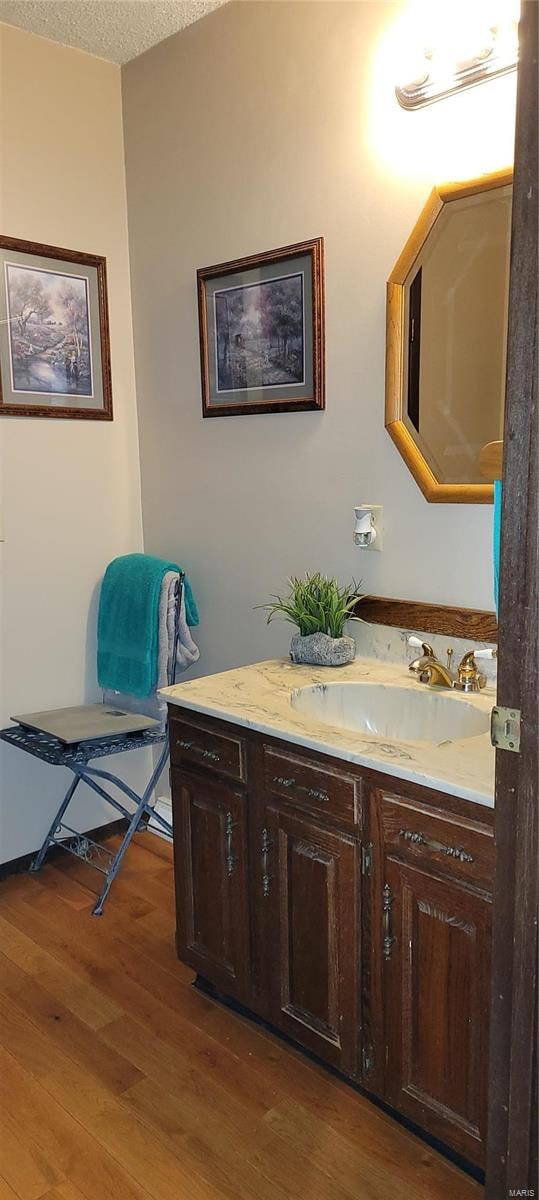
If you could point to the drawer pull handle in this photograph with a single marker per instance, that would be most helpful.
(231, 861)
(209, 755)
(389, 938)
(419, 839)
(264, 861)
(314, 793)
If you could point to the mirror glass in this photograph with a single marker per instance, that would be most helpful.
(455, 334)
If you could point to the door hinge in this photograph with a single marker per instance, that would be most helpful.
(505, 728)
(367, 1060)
(366, 858)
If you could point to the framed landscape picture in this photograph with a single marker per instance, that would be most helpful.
(262, 332)
(54, 332)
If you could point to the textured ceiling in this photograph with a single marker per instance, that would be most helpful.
(113, 29)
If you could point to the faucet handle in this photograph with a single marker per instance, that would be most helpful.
(488, 652)
(469, 678)
(419, 645)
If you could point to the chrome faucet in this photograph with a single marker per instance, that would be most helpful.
(430, 670)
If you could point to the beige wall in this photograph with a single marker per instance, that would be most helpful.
(261, 125)
(70, 490)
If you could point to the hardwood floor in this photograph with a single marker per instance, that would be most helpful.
(120, 1082)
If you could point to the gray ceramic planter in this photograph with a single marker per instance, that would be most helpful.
(321, 650)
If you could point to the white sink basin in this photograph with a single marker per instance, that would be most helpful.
(388, 711)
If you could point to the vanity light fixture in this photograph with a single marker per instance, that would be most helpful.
(455, 62)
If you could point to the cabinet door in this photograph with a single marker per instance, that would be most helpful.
(310, 887)
(436, 951)
(211, 881)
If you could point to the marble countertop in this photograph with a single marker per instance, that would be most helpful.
(259, 697)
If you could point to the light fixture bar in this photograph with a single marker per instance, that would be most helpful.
(434, 84)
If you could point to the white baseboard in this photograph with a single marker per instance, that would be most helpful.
(164, 807)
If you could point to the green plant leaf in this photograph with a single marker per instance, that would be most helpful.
(315, 604)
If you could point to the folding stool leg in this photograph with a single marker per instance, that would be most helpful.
(132, 829)
(38, 860)
(117, 860)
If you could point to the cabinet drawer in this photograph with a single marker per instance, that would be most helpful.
(452, 845)
(307, 785)
(196, 746)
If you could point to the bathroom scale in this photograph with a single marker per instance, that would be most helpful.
(86, 722)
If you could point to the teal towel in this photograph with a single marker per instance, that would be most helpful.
(497, 538)
(128, 622)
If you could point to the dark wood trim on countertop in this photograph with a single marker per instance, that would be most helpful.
(476, 624)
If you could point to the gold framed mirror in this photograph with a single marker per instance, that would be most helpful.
(446, 337)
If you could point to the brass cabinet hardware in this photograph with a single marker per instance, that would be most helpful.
(505, 728)
(315, 793)
(210, 755)
(231, 861)
(419, 839)
(389, 939)
(264, 860)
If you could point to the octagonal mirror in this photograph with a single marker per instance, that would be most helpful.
(447, 300)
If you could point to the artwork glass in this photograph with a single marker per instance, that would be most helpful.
(261, 325)
(54, 353)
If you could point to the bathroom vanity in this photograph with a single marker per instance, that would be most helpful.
(338, 883)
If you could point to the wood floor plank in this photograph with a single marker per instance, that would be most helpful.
(79, 995)
(196, 1053)
(66, 1191)
(22, 1173)
(32, 1048)
(239, 1158)
(63, 1029)
(31, 1165)
(74, 892)
(71, 1109)
(331, 1107)
(157, 923)
(124, 974)
(363, 1158)
(145, 1156)
(7, 1193)
(156, 845)
(155, 1091)
(89, 883)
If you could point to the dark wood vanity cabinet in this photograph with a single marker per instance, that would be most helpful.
(312, 934)
(212, 902)
(436, 1004)
(350, 910)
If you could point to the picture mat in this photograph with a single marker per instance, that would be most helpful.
(267, 272)
(48, 399)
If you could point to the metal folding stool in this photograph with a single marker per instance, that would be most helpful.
(76, 758)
